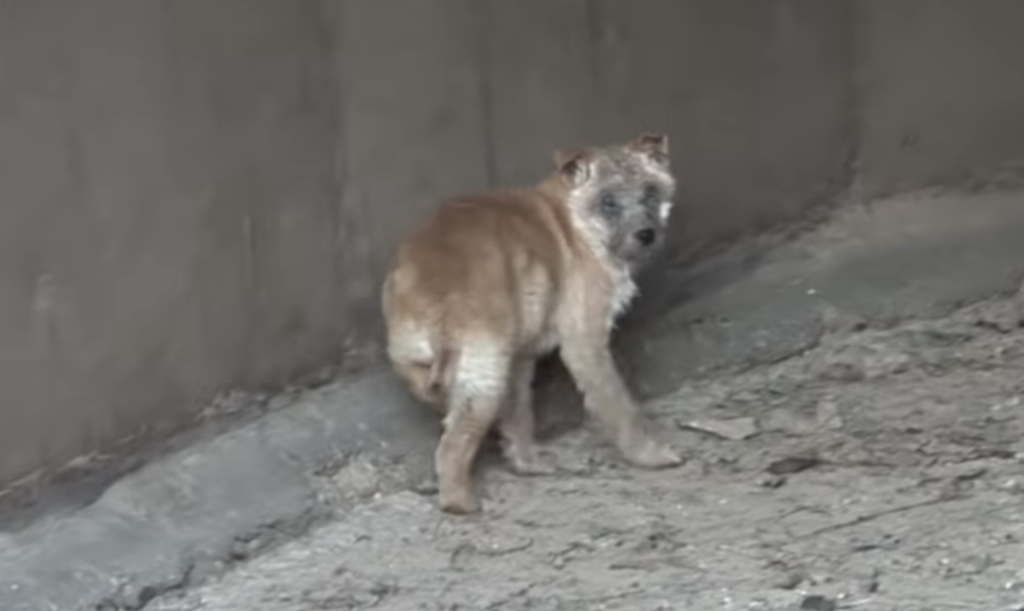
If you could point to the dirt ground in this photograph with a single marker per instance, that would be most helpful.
(881, 470)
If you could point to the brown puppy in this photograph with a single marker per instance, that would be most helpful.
(496, 279)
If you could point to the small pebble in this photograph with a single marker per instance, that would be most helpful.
(735, 429)
(817, 602)
(789, 581)
(793, 464)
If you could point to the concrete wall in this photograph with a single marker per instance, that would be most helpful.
(200, 195)
(167, 225)
(940, 86)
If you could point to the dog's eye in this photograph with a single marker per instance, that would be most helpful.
(609, 203)
(651, 195)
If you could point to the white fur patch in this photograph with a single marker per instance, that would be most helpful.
(482, 369)
(410, 347)
(664, 211)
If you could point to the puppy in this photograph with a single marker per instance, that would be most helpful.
(494, 280)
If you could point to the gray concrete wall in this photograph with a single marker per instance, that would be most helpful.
(200, 195)
(941, 90)
(167, 179)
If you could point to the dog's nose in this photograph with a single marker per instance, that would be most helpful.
(645, 236)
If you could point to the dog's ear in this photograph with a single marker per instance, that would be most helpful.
(574, 166)
(654, 146)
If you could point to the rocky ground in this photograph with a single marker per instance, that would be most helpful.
(883, 469)
(866, 460)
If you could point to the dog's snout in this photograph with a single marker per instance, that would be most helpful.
(646, 236)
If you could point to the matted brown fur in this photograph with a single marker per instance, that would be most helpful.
(493, 280)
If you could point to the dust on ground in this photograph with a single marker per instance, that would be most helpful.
(882, 469)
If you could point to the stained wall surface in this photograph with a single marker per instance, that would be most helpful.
(200, 196)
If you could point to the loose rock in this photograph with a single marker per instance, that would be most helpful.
(793, 464)
(818, 603)
(735, 429)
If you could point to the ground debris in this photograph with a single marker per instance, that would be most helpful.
(816, 602)
(734, 429)
(793, 464)
(919, 425)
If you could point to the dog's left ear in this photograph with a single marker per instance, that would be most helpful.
(575, 166)
(653, 145)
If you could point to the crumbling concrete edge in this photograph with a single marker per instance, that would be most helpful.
(189, 514)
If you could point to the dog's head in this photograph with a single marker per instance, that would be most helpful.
(620, 196)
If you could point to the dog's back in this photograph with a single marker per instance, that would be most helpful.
(481, 274)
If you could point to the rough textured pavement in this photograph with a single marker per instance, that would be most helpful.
(898, 485)
(881, 469)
